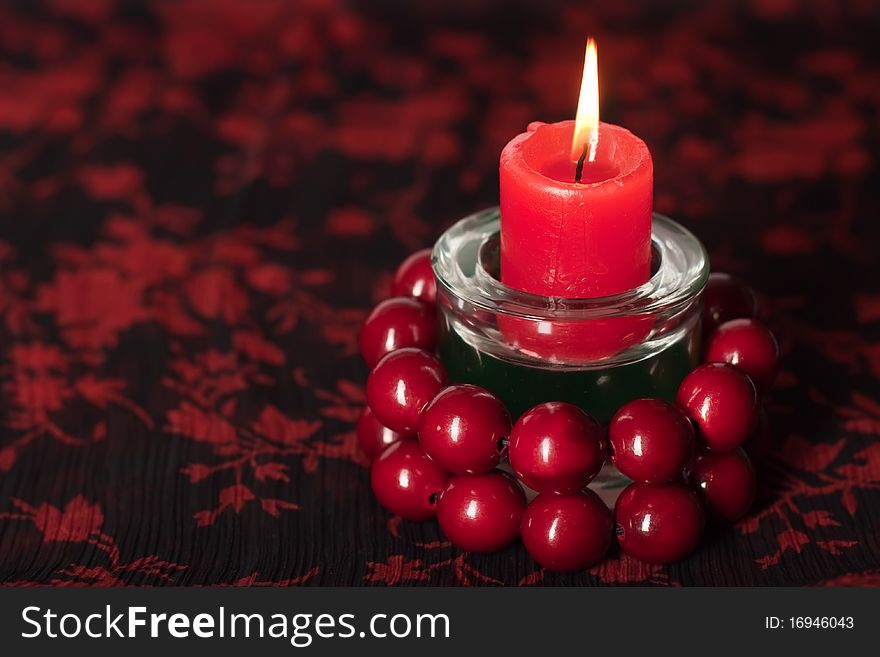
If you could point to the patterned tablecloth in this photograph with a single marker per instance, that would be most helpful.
(199, 201)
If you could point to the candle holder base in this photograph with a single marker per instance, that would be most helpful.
(640, 343)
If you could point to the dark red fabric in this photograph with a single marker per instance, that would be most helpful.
(199, 201)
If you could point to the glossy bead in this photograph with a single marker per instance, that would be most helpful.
(556, 448)
(415, 277)
(400, 386)
(406, 481)
(651, 441)
(760, 442)
(462, 429)
(373, 436)
(726, 483)
(722, 402)
(658, 523)
(567, 532)
(397, 323)
(749, 346)
(724, 298)
(481, 513)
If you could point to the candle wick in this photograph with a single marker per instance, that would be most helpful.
(579, 169)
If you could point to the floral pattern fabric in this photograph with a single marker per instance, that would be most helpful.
(200, 200)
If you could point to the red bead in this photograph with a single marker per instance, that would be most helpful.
(567, 532)
(726, 482)
(481, 513)
(397, 323)
(462, 429)
(415, 277)
(722, 402)
(406, 481)
(750, 346)
(651, 441)
(400, 386)
(556, 448)
(373, 436)
(726, 297)
(759, 444)
(658, 523)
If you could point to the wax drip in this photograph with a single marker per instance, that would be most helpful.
(579, 169)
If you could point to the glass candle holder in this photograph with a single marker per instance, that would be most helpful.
(596, 353)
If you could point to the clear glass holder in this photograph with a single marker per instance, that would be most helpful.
(596, 353)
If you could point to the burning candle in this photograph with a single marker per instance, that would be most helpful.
(576, 200)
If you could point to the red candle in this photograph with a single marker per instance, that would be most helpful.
(576, 222)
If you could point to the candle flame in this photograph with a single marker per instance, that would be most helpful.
(586, 123)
